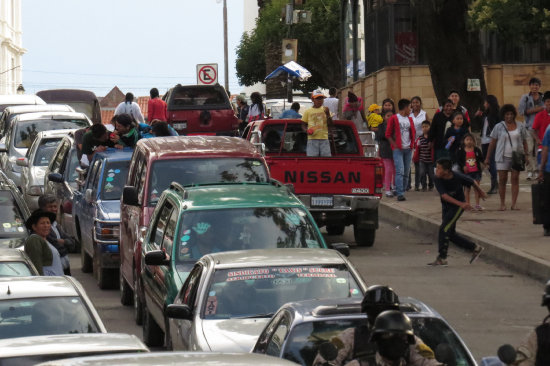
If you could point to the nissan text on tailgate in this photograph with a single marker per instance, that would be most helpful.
(341, 190)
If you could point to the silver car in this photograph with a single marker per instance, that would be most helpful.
(229, 297)
(31, 350)
(298, 329)
(16, 263)
(22, 131)
(34, 164)
(42, 305)
(174, 358)
(11, 112)
(7, 100)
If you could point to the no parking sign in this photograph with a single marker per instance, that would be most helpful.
(207, 74)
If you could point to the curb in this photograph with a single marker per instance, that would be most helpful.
(499, 253)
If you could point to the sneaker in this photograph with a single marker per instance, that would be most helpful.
(536, 176)
(529, 175)
(401, 198)
(476, 253)
(478, 208)
(416, 189)
(439, 262)
(389, 194)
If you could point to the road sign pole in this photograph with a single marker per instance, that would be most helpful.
(225, 48)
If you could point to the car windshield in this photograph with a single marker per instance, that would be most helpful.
(211, 170)
(82, 107)
(28, 317)
(11, 218)
(266, 289)
(303, 341)
(45, 150)
(210, 231)
(26, 131)
(14, 269)
(114, 178)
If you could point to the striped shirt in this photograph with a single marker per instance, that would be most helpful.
(424, 150)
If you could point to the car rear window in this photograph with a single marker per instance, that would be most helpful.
(14, 269)
(26, 131)
(26, 317)
(45, 151)
(195, 171)
(11, 218)
(203, 97)
(114, 178)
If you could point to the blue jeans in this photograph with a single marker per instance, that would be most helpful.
(402, 161)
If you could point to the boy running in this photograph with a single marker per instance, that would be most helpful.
(450, 185)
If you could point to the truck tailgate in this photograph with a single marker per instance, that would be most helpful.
(334, 176)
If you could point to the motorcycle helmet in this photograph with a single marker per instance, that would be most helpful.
(392, 322)
(378, 298)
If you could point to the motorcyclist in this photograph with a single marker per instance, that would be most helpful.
(535, 350)
(353, 343)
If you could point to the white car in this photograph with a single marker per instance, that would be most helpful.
(277, 106)
(42, 305)
(31, 350)
(8, 100)
(34, 165)
(14, 262)
(229, 297)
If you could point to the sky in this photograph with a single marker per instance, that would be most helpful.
(133, 44)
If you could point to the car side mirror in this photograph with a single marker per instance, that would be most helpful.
(22, 162)
(343, 248)
(3, 147)
(55, 177)
(88, 195)
(130, 196)
(156, 258)
(507, 354)
(179, 311)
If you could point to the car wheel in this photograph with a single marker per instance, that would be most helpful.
(335, 229)
(126, 296)
(364, 237)
(152, 334)
(138, 305)
(86, 261)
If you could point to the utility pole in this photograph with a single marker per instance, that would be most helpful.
(225, 50)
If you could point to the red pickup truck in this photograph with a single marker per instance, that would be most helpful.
(341, 190)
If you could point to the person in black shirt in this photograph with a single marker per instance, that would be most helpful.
(450, 185)
(438, 128)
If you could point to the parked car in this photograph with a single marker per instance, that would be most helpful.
(158, 162)
(341, 190)
(44, 305)
(13, 214)
(36, 161)
(8, 100)
(274, 107)
(96, 212)
(83, 101)
(11, 112)
(16, 263)
(60, 181)
(229, 297)
(201, 109)
(174, 358)
(23, 131)
(297, 329)
(52, 348)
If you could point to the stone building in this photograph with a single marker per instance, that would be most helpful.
(11, 49)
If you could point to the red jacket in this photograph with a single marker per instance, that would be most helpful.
(394, 132)
(156, 109)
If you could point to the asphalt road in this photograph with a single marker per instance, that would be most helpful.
(486, 304)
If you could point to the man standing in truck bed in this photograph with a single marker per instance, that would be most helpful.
(317, 121)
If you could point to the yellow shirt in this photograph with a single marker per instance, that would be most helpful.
(316, 119)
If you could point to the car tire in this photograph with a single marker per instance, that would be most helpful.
(364, 237)
(86, 262)
(138, 305)
(335, 229)
(126, 295)
(152, 334)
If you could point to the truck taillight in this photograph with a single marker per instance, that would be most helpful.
(379, 179)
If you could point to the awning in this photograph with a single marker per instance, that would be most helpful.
(293, 69)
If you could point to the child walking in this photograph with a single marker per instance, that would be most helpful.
(455, 134)
(424, 155)
(469, 159)
(450, 185)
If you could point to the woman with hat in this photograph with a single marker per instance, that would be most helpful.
(43, 255)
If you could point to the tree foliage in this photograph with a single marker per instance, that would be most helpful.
(528, 19)
(318, 44)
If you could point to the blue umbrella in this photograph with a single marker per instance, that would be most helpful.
(293, 69)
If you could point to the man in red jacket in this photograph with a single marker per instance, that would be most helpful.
(401, 134)
(156, 107)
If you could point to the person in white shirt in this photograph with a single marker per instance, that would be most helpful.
(130, 107)
(418, 115)
(332, 103)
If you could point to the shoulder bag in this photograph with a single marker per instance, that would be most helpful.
(518, 158)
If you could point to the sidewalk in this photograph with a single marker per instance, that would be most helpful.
(509, 237)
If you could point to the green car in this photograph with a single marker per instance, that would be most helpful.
(191, 221)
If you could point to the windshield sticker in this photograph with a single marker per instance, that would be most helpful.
(341, 280)
(109, 179)
(212, 293)
(110, 171)
(245, 272)
(312, 243)
(117, 171)
(211, 305)
(283, 275)
(256, 163)
(201, 227)
(109, 187)
(185, 238)
(282, 282)
(6, 225)
(354, 291)
(20, 229)
(293, 219)
(111, 175)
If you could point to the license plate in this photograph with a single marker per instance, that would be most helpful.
(180, 126)
(321, 201)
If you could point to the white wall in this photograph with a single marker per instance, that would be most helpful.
(11, 48)
(250, 15)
